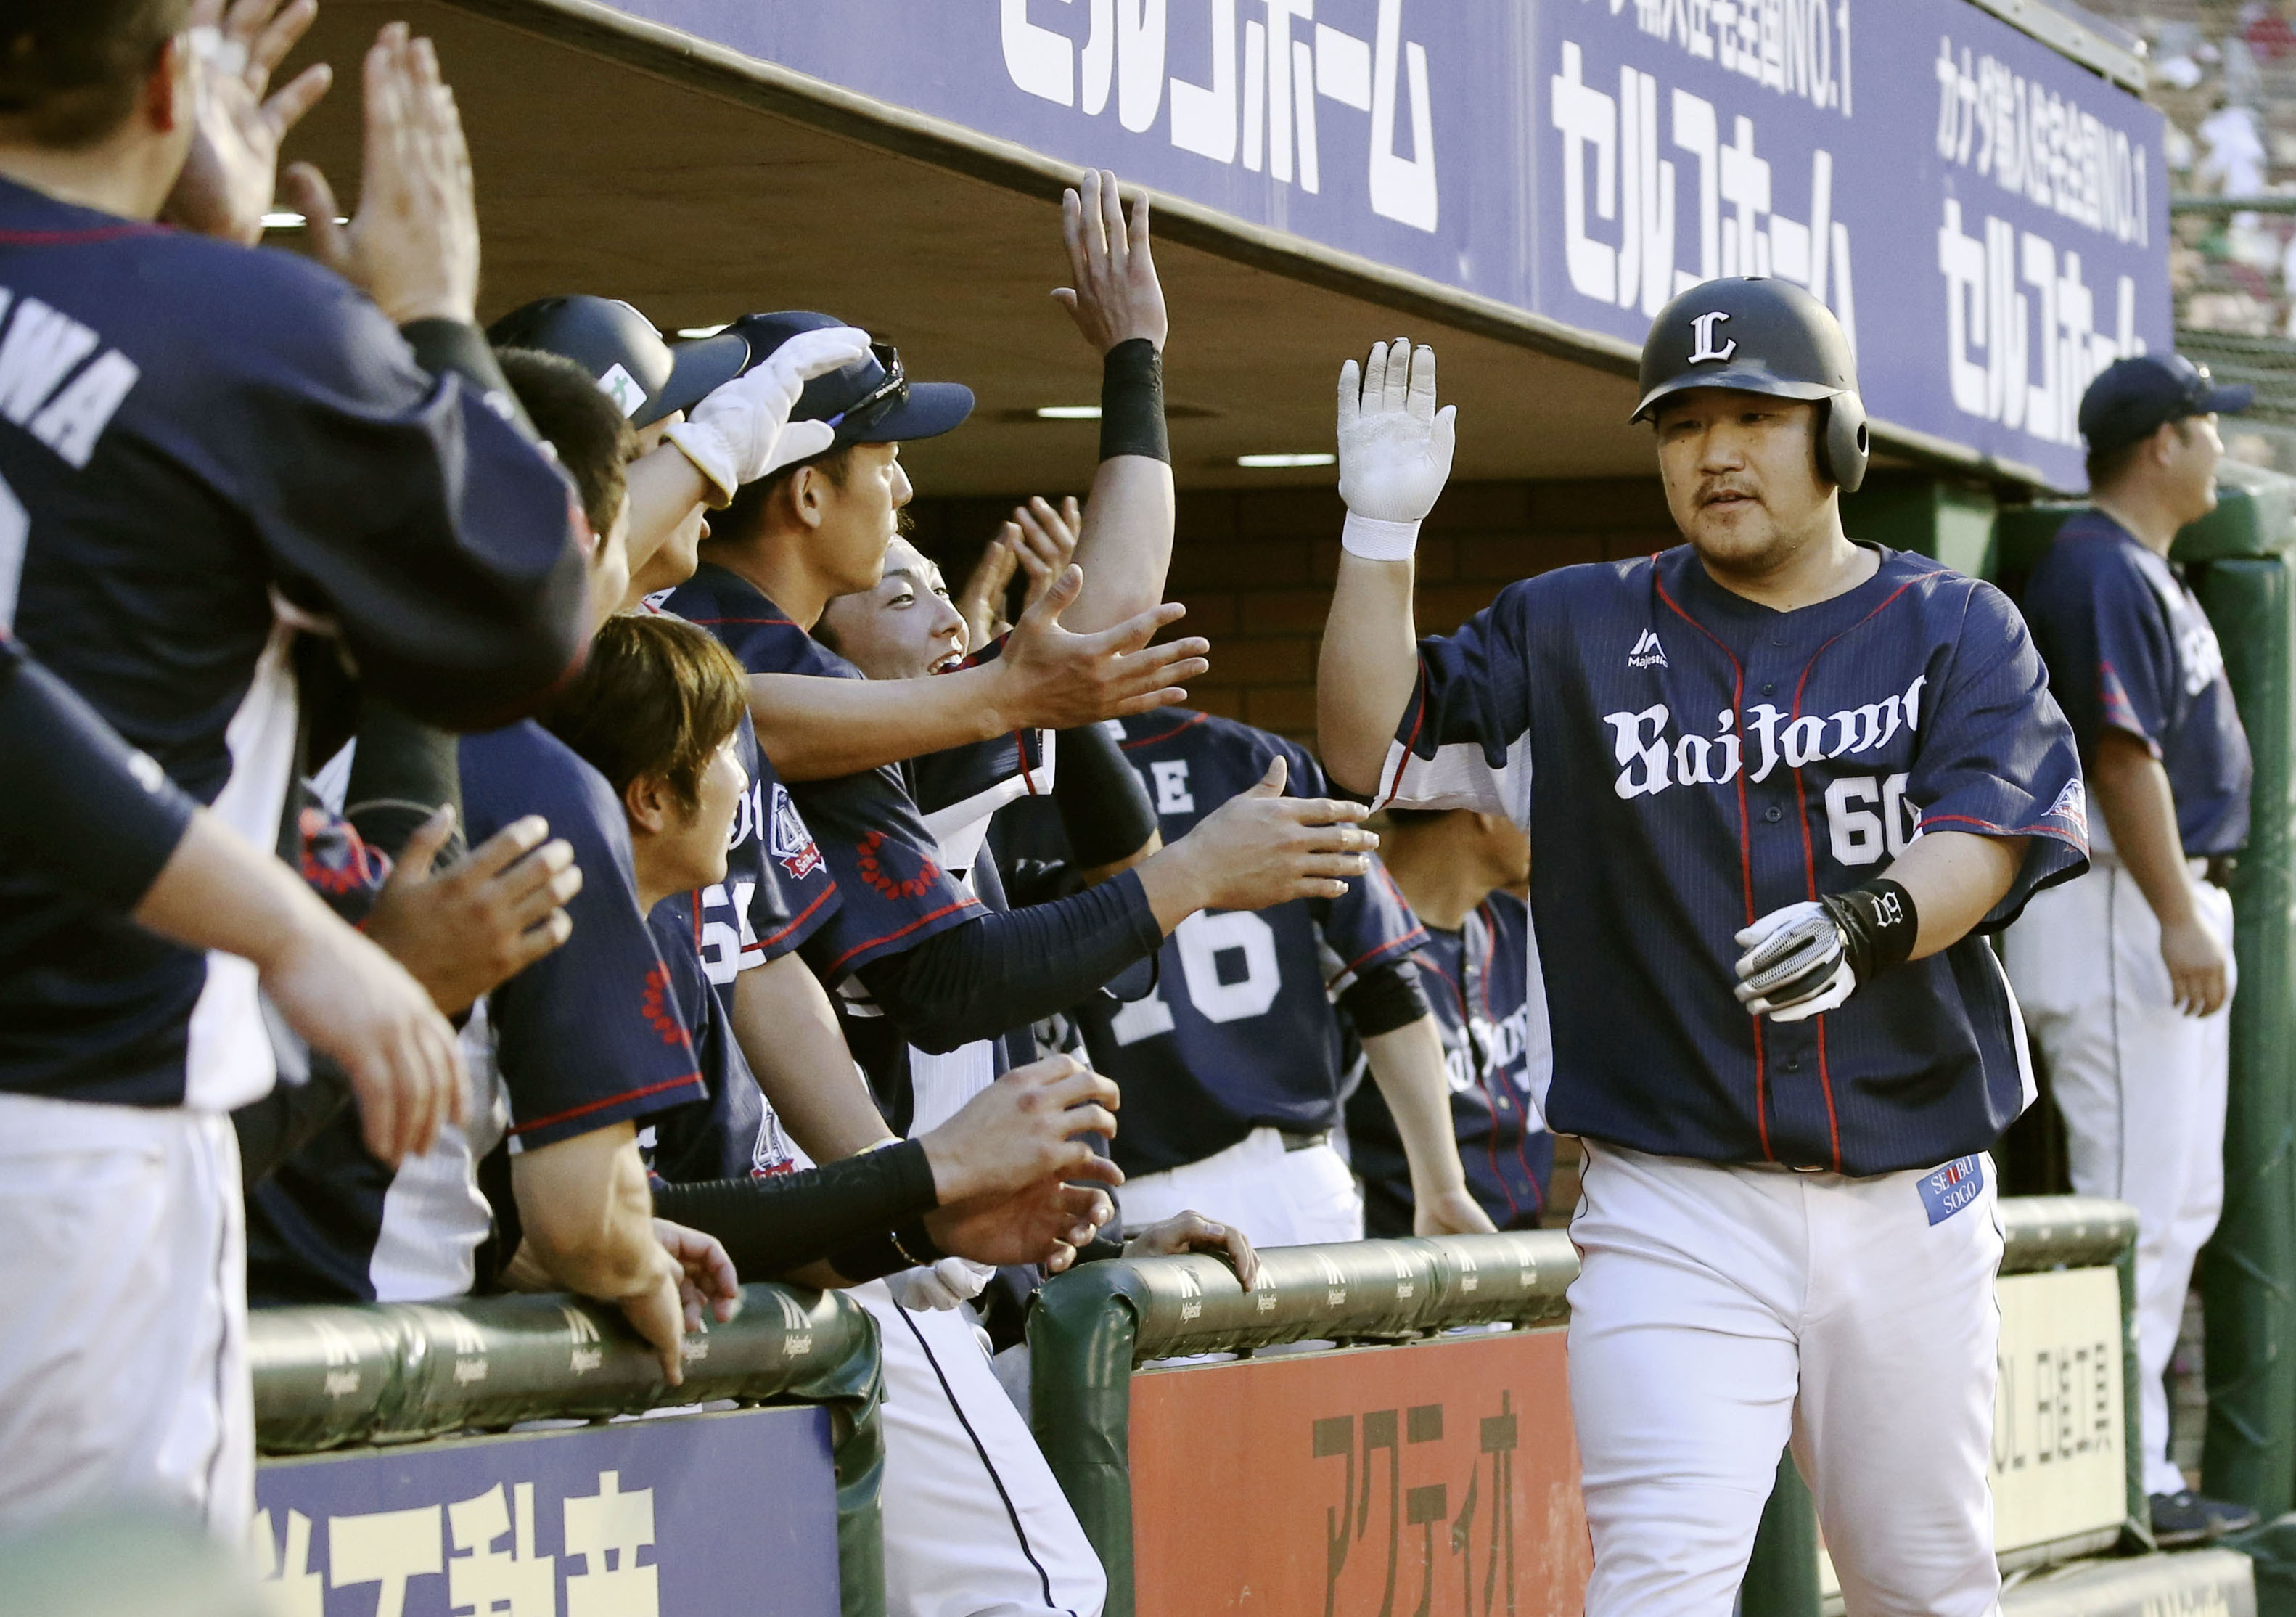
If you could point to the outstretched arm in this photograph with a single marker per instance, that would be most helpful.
(1117, 303)
(1049, 677)
(1395, 455)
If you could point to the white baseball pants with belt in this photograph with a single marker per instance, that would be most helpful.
(2141, 1087)
(1721, 1313)
(1277, 1197)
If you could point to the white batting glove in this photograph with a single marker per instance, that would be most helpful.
(1395, 449)
(939, 1285)
(1795, 966)
(743, 431)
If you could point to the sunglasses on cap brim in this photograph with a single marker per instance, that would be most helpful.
(879, 401)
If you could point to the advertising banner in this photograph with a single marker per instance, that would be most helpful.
(1423, 1479)
(2059, 1459)
(735, 1511)
(1989, 218)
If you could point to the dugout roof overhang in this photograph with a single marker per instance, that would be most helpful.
(619, 157)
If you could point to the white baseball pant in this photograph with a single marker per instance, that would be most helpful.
(975, 1523)
(1721, 1312)
(2141, 1087)
(123, 1337)
(1276, 1197)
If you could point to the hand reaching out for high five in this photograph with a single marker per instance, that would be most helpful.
(1040, 541)
(228, 178)
(1117, 296)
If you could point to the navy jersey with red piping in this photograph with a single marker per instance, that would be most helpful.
(1686, 760)
(192, 431)
(1477, 981)
(777, 890)
(1238, 1031)
(591, 1035)
(2129, 648)
(99, 817)
(732, 1132)
(894, 888)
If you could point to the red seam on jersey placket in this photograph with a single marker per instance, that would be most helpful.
(1745, 846)
(946, 909)
(612, 1100)
(1027, 775)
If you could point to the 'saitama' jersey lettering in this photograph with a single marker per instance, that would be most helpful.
(1686, 760)
(1649, 762)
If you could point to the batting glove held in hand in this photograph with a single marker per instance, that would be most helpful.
(1809, 957)
(1395, 449)
(939, 1285)
(743, 431)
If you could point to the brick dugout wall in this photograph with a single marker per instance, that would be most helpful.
(1255, 569)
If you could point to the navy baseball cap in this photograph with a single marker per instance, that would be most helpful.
(619, 347)
(871, 402)
(2134, 398)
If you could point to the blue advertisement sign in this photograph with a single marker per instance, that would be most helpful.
(649, 1518)
(1989, 218)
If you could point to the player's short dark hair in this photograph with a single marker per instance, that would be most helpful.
(69, 70)
(656, 697)
(746, 514)
(587, 429)
(2106, 467)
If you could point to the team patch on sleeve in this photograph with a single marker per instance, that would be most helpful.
(1946, 1190)
(792, 845)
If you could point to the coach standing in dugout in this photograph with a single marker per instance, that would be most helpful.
(2127, 974)
(207, 447)
(1775, 1023)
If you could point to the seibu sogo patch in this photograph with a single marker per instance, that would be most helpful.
(1947, 1189)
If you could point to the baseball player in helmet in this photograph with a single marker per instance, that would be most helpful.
(1781, 784)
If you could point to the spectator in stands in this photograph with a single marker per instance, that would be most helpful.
(250, 445)
(1479, 968)
(2126, 974)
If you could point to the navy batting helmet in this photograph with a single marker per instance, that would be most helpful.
(1761, 335)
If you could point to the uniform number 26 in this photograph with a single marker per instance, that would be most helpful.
(1866, 817)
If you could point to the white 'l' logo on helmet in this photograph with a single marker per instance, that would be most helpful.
(1702, 327)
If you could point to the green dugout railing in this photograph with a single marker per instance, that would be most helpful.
(1093, 1327)
(336, 1378)
(2239, 560)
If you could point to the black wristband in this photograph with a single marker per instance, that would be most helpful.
(449, 345)
(1132, 402)
(887, 1253)
(1878, 924)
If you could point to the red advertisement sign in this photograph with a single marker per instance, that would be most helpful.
(1437, 1480)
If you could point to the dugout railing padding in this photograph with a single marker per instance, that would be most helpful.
(342, 1377)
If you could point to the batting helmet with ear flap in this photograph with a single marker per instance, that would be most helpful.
(1761, 336)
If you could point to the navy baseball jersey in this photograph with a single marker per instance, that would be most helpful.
(590, 1035)
(1238, 1031)
(208, 443)
(896, 884)
(777, 890)
(94, 814)
(1686, 761)
(731, 1133)
(2129, 648)
(1479, 985)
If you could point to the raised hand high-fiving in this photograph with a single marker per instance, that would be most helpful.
(1394, 446)
(227, 180)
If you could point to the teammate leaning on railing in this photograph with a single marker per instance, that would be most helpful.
(1778, 1024)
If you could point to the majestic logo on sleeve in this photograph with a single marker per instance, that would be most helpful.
(1702, 349)
(2071, 807)
(1654, 751)
(1648, 653)
(790, 842)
